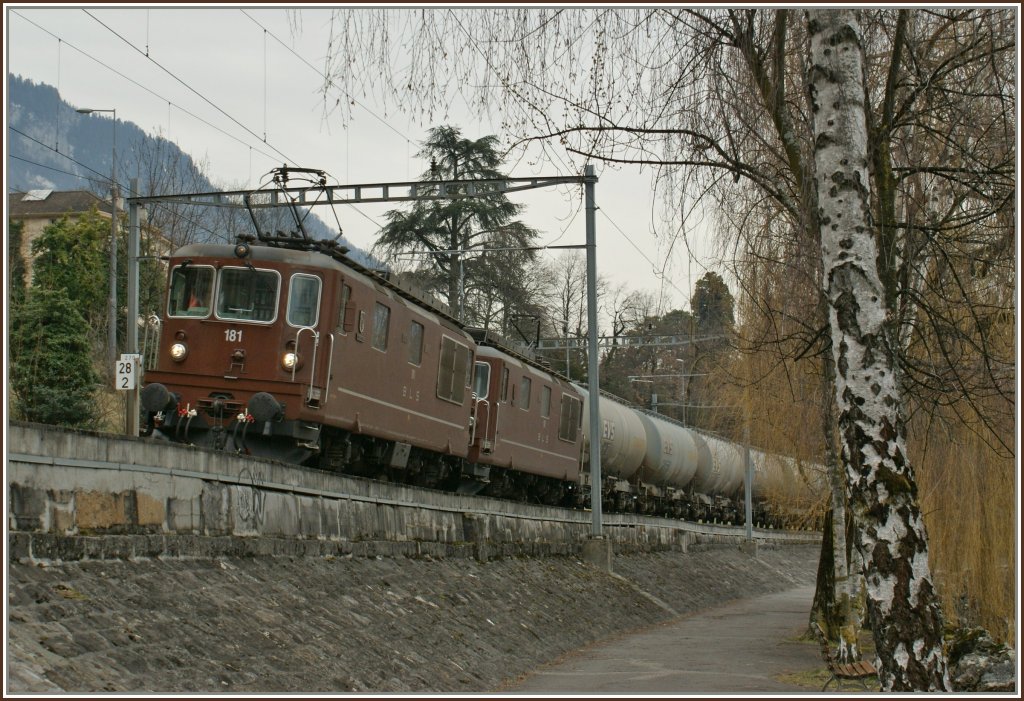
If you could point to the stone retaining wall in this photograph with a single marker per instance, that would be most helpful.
(147, 498)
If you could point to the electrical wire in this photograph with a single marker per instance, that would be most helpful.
(185, 84)
(659, 273)
(118, 73)
(51, 148)
(190, 220)
(327, 79)
(56, 170)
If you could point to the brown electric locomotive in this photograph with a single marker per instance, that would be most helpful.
(526, 426)
(309, 358)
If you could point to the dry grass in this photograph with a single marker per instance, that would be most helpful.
(967, 484)
(110, 410)
(968, 497)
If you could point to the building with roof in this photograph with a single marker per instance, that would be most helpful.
(38, 209)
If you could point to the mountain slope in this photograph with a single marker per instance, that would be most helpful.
(52, 147)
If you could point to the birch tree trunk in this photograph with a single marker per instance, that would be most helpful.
(903, 606)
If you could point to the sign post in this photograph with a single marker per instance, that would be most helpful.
(126, 371)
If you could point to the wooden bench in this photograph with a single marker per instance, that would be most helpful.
(853, 671)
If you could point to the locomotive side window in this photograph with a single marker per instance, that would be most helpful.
(481, 380)
(569, 419)
(524, 392)
(304, 300)
(345, 310)
(415, 342)
(545, 401)
(381, 320)
(247, 294)
(191, 291)
(453, 370)
(504, 384)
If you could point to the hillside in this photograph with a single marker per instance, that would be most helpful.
(52, 147)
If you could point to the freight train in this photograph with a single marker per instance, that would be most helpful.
(285, 348)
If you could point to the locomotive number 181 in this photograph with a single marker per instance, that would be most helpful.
(233, 335)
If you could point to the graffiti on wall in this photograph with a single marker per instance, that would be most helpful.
(251, 497)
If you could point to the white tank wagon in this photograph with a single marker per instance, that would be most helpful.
(785, 485)
(727, 472)
(653, 464)
(672, 457)
(623, 440)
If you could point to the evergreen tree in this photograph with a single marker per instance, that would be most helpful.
(446, 227)
(73, 255)
(51, 371)
(712, 304)
(712, 307)
(15, 263)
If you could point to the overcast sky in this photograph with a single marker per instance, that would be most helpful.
(220, 84)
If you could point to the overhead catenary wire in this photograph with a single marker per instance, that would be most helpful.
(40, 165)
(185, 84)
(62, 42)
(104, 177)
(327, 79)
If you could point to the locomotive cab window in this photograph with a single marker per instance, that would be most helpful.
(191, 291)
(248, 294)
(545, 401)
(481, 380)
(304, 300)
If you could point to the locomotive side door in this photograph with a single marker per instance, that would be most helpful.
(485, 407)
(314, 347)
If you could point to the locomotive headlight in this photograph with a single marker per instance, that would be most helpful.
(179, 351)
(289, 361)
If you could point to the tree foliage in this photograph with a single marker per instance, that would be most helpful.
(51, 371)
(484, 287)
(15, 262)
(73, 255)
(712, 304)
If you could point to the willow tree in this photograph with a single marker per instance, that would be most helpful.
(717, 100)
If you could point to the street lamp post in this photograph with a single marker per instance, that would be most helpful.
(112, 297)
